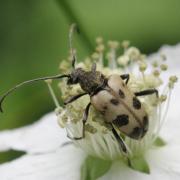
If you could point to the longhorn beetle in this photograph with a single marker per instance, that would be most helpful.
(109, 95)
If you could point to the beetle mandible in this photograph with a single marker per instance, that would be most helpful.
(109, 95)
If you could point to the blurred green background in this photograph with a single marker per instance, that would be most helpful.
(34, 39)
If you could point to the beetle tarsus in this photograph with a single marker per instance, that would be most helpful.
(147, 92)
(125, 77)
(129, 162)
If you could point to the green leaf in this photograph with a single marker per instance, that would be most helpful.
(159, 142)
(140, 164)
(93, 167)
(10, 155)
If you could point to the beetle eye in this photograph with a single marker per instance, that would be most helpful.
(69, 81)
(72, 80)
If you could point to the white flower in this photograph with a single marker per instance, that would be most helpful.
(49, 156)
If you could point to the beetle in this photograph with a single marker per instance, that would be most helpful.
(121, 108)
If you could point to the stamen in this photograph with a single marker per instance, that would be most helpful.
(113, 45)
(52, 93)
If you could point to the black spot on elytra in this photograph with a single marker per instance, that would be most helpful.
(114, 101)
(136, 133)
(121, 93)
(145, 123)
(121, 120)
(136, 103)
(105, 107)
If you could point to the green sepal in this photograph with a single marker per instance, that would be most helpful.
(159, 142)
(10, 155)
(94, 167)
(140, 164)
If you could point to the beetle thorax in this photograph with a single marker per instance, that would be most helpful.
(89, 81)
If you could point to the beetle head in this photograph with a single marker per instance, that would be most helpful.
(74, 76)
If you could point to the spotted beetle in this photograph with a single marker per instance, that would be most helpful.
(111, 96)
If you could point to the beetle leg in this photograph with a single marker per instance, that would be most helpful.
(147, 92)
(121, 144)
(73, 98)
(120, 141)
(84, 120)
(125, 77)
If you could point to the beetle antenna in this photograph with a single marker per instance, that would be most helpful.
(28, 82)
(73, 28)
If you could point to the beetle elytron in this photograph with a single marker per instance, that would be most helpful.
(109, 95)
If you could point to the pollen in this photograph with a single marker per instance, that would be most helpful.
(172, 81)
(113, 44)
(156, 72)
(99, 40)
(100, 48)
(142, 66)
(163, 98)
(133, 53)
(91, 129)
(125, 44)
(163, 67)
(123, 60)
(155, 64)
(95, 56)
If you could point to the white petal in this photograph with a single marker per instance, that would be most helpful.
(172, 54)
(170, 130)
(165, 162)
(42, 136)
(121, 171)
(62, 164)
(46, 159)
